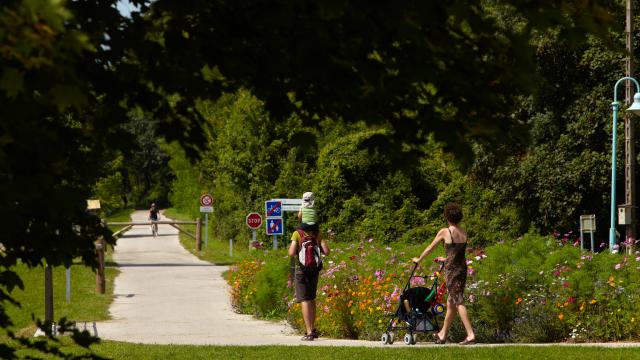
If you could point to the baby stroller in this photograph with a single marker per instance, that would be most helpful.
(417, 311)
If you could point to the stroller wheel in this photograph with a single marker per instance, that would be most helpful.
(410, 339)
(438, 309)
(387, 338)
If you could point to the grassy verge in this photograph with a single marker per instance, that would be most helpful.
(118, 350)
(84, 304)
(217, 251)
(120, 216)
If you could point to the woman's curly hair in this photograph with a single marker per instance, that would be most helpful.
(453, 213)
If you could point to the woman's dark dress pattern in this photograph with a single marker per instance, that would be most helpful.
(456, 271)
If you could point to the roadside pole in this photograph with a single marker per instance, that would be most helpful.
(206, 230)
(48, 295)
(206, 207)
(68, 283)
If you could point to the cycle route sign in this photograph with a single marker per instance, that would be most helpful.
(273, 211)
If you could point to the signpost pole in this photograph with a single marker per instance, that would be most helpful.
(230, 247)
(206, 230)
(275, 242)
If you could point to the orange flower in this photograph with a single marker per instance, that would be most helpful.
(561, 316)
(518, 301)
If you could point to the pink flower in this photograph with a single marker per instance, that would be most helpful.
(470, 271)
(417, 281)
(571, 299)
(565, 284)
(618, 266)
(379, 274)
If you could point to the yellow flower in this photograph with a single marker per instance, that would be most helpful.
(582, 307)
(611, 281)
(593, 301)
(561, 316)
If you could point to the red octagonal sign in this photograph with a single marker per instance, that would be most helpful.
(254, 220)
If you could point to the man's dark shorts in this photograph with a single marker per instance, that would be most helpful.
(306, 285)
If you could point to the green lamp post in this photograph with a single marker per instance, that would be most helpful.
(635, 109)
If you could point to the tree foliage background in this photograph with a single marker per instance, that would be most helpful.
(385, 110)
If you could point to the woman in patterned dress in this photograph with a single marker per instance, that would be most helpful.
(455, 244)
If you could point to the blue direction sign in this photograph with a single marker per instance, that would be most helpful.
(273, 208)
(274, 226)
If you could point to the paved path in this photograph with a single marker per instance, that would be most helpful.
(165, 295)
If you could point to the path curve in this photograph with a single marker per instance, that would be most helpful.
(166, 295)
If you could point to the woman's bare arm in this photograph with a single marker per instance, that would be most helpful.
(439, 237)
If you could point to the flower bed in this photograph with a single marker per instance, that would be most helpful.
(534, 289)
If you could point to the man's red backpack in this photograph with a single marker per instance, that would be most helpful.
(309, 255)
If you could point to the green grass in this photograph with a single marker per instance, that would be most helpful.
(119, 350)
(119, 216)
(217, 251)
(85, 303)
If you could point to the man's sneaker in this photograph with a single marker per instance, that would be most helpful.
(308, 337)
(315, 333)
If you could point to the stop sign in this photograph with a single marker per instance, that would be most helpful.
(254, 220)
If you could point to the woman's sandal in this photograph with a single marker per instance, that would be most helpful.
(437, 340)
(308, 337)
(468, 342)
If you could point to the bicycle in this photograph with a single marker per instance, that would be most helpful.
(154, 228)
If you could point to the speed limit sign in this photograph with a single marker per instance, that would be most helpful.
(206, 200)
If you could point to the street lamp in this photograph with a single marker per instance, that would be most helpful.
(634, 109)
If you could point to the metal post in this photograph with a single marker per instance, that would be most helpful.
(615, 107)
(275, 242)
(48, 295)
(206, 230)
(230, 247)
(592, 249)
(581, 238)
(254, 237)
(612, 228)
(68, 284)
